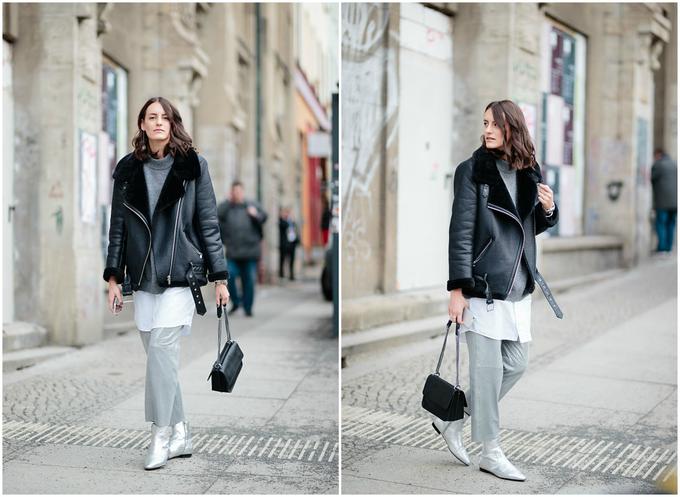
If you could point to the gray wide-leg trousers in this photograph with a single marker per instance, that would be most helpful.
(495, 366)
(163, 398)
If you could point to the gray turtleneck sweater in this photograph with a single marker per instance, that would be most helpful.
(155, 173)
(509, 176)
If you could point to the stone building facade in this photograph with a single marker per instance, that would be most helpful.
(596, 82)
(78, 75)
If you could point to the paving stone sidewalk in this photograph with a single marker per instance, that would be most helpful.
(78, 420)
(594, 413)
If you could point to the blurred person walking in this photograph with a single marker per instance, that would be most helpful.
(326, 217)
(241, 224)
(164, 236)
(288, 242)
(665, 193)
(500, 205)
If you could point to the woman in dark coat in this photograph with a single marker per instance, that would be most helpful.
(164, 236)
(500, 205)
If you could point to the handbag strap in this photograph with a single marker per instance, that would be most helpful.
(222, 313)
(441, 354)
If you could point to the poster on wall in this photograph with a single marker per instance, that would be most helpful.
(568, 67)
(556, 62)
(568, 117)
(529, 112)
(551, 176)
(568, 224)
(88, 177)
(559, 104)
(554, 130)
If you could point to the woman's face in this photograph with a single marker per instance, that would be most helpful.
(493, 135)
(156, 124)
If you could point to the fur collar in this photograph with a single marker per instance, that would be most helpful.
(484, 170)
(130, 170)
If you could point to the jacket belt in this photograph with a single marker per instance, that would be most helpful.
(195, 291)
(548, 294)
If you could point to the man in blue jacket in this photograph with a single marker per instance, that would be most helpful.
(241, 223)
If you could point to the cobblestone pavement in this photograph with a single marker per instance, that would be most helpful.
(85, 409)
(386, 386)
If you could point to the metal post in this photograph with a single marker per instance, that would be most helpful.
(335, 210)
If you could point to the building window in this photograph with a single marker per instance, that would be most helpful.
(113, 139)
(562, 123)
(114, 111)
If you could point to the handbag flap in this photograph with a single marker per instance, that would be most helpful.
(438, 391)
(231, 352)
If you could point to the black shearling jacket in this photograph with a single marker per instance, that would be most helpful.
(182, 232)
(488, 236)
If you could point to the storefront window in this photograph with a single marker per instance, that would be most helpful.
(562, 123)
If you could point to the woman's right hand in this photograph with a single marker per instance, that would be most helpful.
(114, 291)
(457, 304)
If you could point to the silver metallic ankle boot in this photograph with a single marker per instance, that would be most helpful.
(180, 443)
(494, 461)
(452, 432)
(157, 455)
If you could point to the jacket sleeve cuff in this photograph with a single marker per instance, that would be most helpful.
(116, 272)
(220, 275)
(460, 283)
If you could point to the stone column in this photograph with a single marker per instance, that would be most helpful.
(173, 60)
(57, 119)
(217, 98)
(619, 121)
(390, 163)
(369, 122)
(653, 32)
(483, 36)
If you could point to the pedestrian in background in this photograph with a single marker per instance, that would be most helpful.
(241, 223)
(288, 241)
(326, 216)
(163, 233)
(665, 191)
(499, 205)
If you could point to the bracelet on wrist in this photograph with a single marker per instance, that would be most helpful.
(220, 282)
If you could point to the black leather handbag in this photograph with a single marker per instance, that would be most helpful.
(229, 361)
(441, 398)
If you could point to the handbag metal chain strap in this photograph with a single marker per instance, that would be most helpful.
(441, 354)
(222, 313)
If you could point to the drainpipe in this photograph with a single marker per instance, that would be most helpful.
(258, 102)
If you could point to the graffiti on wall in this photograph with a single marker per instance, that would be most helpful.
(369, 113)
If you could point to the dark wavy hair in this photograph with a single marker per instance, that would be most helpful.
(180, 142)
(518, 148)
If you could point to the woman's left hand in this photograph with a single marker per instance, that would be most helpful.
(221, 294)
(545, 196)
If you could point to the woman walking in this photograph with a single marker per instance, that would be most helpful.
(164, 235)
(500, 205)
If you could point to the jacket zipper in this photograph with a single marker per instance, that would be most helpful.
(149, 249)
(521, 250)
(174, 239)
(481, 254)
